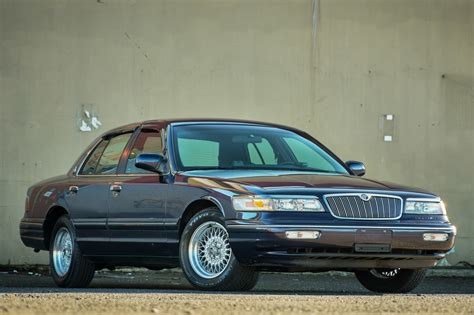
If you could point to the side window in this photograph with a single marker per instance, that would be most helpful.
(306, 155)
(262, 153)
(91, 164)
(111, 156)
(197, 152)
(148, 142)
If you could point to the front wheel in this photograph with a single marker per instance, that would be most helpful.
(206, 256)
(391, 280)
(68, 267)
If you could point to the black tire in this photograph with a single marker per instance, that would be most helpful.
(380, 280)
(81, 270)
(235, 277)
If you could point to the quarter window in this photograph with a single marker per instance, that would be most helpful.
(110, 158)
(91, 164)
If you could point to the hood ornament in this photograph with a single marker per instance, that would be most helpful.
(365, 197)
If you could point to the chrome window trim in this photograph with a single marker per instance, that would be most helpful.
(79, 166)
(120, 175)
(169, 153)
(364, 193)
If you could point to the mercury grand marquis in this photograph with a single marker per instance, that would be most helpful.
(225, 199)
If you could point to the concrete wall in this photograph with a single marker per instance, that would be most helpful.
(331, 67)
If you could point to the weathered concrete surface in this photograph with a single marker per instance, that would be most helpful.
(191, 303)
(332, 71)
(168, 293)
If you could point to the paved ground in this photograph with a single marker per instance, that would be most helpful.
(167, 292)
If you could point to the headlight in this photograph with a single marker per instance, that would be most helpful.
(276, 203)
(425, 207)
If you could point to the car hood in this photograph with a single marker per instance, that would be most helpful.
(263, 181)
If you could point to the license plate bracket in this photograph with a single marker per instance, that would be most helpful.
(373, 241)
(373, 236)
(372, 248)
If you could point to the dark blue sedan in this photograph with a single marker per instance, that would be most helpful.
(225, 199)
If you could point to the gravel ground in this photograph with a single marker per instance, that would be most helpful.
(167, 292)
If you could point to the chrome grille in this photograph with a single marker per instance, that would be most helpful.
(364, 206)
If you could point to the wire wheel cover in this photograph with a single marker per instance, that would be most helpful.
(384, 273)
(209, 250)
(62, 251)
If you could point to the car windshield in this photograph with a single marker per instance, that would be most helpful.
(226, 146)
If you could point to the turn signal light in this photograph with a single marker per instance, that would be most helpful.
(435, 237)
(303, 235)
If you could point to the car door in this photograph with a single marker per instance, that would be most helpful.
(88, 193)
(137, 202)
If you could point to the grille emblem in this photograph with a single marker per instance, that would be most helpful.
(365, 197)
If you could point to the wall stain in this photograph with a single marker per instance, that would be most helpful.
(142, 51)
(458, 100)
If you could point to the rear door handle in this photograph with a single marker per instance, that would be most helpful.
(116, 188)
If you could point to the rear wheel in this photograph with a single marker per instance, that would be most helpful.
(206, 256)
(391, 280)
(68, 267)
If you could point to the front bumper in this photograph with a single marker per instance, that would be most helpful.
(339, 247)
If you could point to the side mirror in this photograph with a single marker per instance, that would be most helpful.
(149, 161)
(358, 168)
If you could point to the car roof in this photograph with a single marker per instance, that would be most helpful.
(162, 123)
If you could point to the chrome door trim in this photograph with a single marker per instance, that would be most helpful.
(451, 228)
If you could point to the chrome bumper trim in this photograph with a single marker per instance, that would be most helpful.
(451, 228)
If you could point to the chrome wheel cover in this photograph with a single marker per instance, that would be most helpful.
(62, 251)
(384, 273)
(209, 250)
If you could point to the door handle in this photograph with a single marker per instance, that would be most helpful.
(73, 189)
(116, 188)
